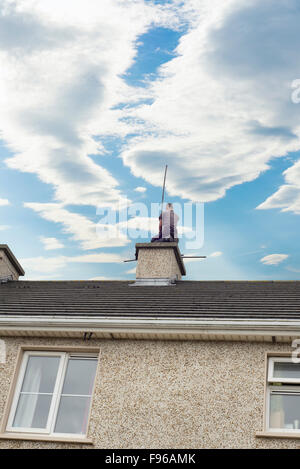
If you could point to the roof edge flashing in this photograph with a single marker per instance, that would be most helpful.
(154, 282)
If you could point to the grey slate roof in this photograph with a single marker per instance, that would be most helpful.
(192, 299)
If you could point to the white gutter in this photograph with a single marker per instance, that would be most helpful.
(150, 325)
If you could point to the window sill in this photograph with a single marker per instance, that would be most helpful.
(290, 436)
(34, 437)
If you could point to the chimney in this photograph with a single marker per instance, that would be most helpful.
(10, 268)
(158, 263)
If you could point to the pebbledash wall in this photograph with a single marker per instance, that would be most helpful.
(167, 394)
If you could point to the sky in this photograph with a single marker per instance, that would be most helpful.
(97, 97)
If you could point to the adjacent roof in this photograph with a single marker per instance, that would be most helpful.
(12, 259)
(200, 299)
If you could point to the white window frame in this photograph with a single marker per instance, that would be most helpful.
(56, 396)
(280, 386)
(272, 379)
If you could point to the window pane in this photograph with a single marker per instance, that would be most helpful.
(80, 376)
(72, 415)
(286, 370)
(32, 411)
(40, 375)
(285, 411)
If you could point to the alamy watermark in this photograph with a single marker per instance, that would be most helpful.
(136, 221)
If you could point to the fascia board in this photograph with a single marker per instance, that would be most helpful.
(150, 325)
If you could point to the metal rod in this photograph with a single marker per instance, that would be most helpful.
(164, 184)
(130, 260)
(194, 257)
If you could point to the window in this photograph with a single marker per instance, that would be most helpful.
(53, 394)
(283, 396)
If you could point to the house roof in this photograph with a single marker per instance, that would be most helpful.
(188, 299)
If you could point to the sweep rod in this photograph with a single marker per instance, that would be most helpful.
(193, 257)
(164, 185)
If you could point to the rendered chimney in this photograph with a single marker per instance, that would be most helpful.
(10, 269)
(158, 263)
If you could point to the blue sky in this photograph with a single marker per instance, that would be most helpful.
(96, 99)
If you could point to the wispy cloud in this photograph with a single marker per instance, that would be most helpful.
(4, 202)
(131, 271)
(61, 86)
(104, 278)
(235, 92)
(221, 109)
(140, 189)
(79, 227)
(217, 111)
(293, 269)
(287, 197)
(216, 254)
(51, 243)
(60, 83)
(53, 264)
(274, 259)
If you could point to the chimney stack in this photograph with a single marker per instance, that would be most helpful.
(158, 263)
(10, 269)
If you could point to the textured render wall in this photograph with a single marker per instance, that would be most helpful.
(6, 268)
(157, 263)
(152, 394)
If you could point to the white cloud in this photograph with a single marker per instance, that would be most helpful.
(102, 257)
(43, 264)
(287, 197)
(53, 264)
(216, 254)
(274, 259)
(4, 227)
(140, 189)
(292, 269)
(139, 224)
(131, 271)
(4, 202)
(60, 88)
(79, 227)
(103, 278)
(51, 243)
(92, 234)
(221, 108)
(60, 83)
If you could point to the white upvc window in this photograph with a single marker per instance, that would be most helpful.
(283, 396)
(53, 394)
